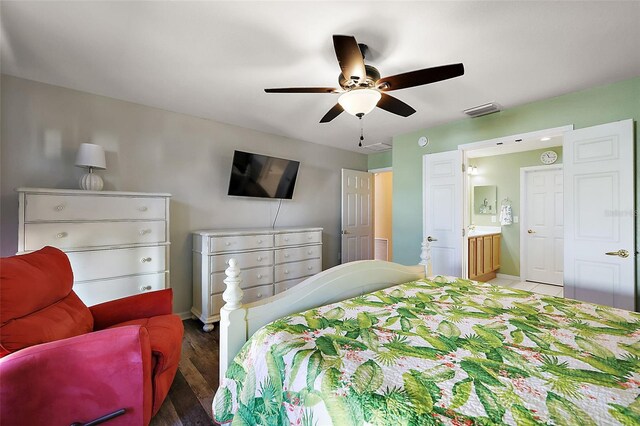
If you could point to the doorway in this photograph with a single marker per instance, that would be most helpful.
(366, 215)
(496, 197)
(598, 209)
(383, 245)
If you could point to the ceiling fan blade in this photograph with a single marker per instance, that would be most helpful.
(303, 90)
(394, 105)
(333, 113)
(420, 77)
(349, 57)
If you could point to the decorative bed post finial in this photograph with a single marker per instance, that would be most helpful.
(425, 257)
(233, 293)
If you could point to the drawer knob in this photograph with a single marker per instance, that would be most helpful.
(310, 237)
(143, 208)
(145, 288)
(286, 238)
(228, 243)
(286, 271)
(309, 251)
(259, 295)
(259, 241)
(309, 267)
(259, 276)
(61, 234)
(286, 256)
(145, 259)
(60, 207)
(145, 231)
(259, 258)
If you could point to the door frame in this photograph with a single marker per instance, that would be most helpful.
(381, 170)
(523, 212)
(508, 140)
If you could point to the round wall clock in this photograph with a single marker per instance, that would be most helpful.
(548, 157)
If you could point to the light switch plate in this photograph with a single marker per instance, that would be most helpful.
(516, 219)
(494, 219)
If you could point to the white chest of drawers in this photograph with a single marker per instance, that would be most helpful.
(272, 261)
(117, 242)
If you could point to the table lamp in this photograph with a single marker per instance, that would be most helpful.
(91, 156)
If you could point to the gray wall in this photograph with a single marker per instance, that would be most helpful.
(152, 150)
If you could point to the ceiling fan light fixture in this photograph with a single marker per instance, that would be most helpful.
(359, 101)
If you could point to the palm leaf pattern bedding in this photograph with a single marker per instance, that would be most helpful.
(439, 351)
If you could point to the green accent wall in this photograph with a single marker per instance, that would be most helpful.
(379, 160)
(599, 105)
(503, 171)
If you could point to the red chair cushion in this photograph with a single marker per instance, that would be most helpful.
(165, 336)
(38, 305)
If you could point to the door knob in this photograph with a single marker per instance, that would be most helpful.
(431, 239)
(621, 253)
(531, 231)
(345, 232)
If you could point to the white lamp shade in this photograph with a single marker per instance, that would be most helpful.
(359, 101)
(91, 155)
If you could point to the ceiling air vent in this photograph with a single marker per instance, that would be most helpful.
(480, 110)
(380, 146)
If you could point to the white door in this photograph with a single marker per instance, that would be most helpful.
(599, 223)
(357, 215)
(543, 228)
(442, 210)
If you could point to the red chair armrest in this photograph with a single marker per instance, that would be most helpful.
(79, 379)
(140, 306)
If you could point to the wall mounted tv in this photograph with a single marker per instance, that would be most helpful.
(255, 175)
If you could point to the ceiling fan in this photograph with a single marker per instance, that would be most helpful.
(361, 87)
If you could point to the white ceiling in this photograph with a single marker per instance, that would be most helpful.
(213, 59)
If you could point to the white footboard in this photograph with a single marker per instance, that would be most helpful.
(238, 322)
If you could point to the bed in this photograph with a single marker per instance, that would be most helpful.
(377, 343)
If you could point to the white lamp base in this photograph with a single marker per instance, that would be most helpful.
(91, 182)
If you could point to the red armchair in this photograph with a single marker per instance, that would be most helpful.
(61, 362)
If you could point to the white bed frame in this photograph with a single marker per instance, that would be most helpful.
(238, 322)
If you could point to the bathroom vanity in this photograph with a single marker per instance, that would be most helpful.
(484, 253)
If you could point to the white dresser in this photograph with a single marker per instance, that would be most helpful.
(117, 242)
(271, 260)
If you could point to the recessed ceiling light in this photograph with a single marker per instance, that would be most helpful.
(546, 138)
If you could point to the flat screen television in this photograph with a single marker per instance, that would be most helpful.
(255, 175)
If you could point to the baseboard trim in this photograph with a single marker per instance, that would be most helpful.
(184, 315)
(508, 277)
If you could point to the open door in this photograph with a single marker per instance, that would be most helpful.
(599, 236)
(357, 215)
(442, 210)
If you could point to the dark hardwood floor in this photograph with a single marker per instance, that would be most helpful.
(191, 394)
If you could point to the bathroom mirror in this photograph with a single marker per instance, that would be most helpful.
(485, 199)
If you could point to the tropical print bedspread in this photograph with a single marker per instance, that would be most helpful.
(441, 351)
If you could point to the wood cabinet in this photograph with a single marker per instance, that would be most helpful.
(117, 242)
(484, 257)
(272, 261)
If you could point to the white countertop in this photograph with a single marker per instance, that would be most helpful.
(484, 230)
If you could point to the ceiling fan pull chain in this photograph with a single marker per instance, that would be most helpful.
(361, 130)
